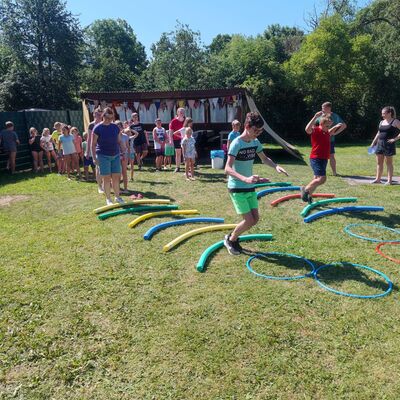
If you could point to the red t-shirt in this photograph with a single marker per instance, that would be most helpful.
(320, 144)
(174, 125)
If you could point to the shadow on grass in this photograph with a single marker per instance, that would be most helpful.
(20, 176)
(340, 273)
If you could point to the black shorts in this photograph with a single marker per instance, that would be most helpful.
(159, 152)
(177, 144)
(385, 148)
(140, 148)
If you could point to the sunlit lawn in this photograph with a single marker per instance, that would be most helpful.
(89, 310)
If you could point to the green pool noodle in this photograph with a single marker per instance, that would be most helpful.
(132, 210)
(309, 207)
(203, 258)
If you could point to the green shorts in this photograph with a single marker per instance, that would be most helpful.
(244, 202)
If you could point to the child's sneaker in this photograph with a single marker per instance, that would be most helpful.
(100, 190)
(109, 202)
(119, 200)
(305, 196)
(125, 191)
(233, 247)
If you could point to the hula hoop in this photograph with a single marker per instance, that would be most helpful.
(357, 296)
(201, 264)
(280, 278)
(349, 232)
(379, 251)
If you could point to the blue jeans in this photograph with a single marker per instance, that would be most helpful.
(318, 166)
(109, 164)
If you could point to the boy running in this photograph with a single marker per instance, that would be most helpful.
(239, 168)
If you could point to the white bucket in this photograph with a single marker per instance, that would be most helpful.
(217, 163)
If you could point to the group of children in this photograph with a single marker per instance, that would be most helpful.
(242, 150)
(63, 146)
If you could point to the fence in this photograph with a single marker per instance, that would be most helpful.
(23, 120)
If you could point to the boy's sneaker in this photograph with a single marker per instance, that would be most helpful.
(233, 247)
(305, 196)
(109, 202)
(177, 169)
(125, 191)
(100, 190)
(309, 199)
(119, 200)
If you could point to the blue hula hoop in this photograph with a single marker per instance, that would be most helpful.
(357, 296)
(280, 278)
(349, 232)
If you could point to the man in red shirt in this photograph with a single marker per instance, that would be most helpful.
(320, 152)
(175, 127)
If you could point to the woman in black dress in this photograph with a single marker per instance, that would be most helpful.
(388, 134)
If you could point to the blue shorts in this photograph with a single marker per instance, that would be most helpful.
(109, 164)
(318, 166)
(88, 162)
(332, 147)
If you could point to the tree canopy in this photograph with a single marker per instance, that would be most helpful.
(350, 56)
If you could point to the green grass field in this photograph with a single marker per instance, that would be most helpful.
(89, 310)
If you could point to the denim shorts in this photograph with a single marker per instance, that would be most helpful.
(318, 166)
(332, 147)
(109, 164)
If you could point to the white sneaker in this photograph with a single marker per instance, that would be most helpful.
(100, 190)
(119, 200)
(109, 202)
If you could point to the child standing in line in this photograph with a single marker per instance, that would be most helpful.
(189, 149)
(48, 147)
(234, 134)
(169, 150)
(159, 143)
(239, 168)
(124, 153)
(78, 150)
(132, 136)
(89, 160)
(35, 145)
(66, 140)
(320, 151)
(55, 136)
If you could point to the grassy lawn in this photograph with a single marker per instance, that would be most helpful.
(89, 310)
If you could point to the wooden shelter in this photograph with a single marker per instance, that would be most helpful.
(212, 110)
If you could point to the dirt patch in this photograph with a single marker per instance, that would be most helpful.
(7, 200)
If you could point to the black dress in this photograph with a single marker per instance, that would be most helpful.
(35, 146)
(386, 132)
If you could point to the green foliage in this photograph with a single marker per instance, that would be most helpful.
(113, 58)
(44, 39)
(177, 60)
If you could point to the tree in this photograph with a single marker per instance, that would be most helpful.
(178, 59)
(286, 40)
(45, 40)
(219, 43)
(114, 58)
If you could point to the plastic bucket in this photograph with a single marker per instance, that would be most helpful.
(217, 163)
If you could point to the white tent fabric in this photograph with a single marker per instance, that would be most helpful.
(287, 146)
